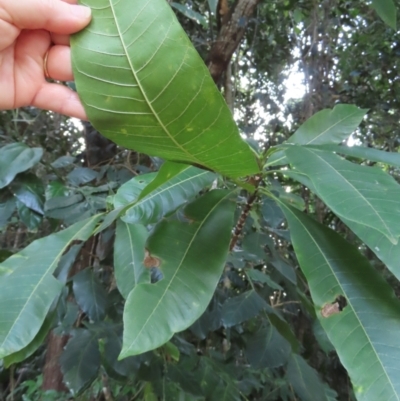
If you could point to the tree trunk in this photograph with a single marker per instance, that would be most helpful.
(52, 375)
(232, 31)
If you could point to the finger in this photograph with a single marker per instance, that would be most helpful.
(34, 42)
(60, 99)
(52, 15)
(30, 50)
(58, 39)
(59, 63)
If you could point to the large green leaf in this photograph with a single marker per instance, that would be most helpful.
(80, 360)
(241, 308)
(271, 213)
(129, 192)
(217, 381)
(145, 87)
(29, 289)
(7, 207)
(16, 158)
(191, 257)
(29, 190)
(383, 248)
(386, 9)
(111, 348)
(365, 195)
(32, 347)
(28, 217)
(81, 175)
(365, 332)
(305, 380)
(170, 170)
(362, 152)
(325, 127)
(129, 245)
(267, 348)
(329, 126)
(210, 320)
(66, 262)
(90, 294)
(173, 186)
(264, 278)
(185, 374)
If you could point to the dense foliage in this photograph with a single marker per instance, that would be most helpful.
(186, 263)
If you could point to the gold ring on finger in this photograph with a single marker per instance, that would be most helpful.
(45, 70)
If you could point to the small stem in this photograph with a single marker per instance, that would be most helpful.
(245, 212)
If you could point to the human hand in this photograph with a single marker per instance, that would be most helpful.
(28, 30)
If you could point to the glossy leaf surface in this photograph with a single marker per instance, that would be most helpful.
(7, 207)
(28, 189)
(32, 347)
(191, 257)
(29, 288)
(16, 158)
(173, 186)
(365, 195)
(241, 308)
(383, 248)
(329, 126)
(365, 332)
(305, 380)
(264, 278)
(90, 294)
(362, 152)
(267, 349)
(80, 360)
(145, 87)
(129, 249)
(28, 217)
(130, 191)
(81, 175)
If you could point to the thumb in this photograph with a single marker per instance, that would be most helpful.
(52, 15)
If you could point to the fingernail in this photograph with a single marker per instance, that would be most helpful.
(82, 11)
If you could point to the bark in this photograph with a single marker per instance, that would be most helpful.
(52, 375)
(230, 35)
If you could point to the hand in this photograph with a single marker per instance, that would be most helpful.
(28, 30)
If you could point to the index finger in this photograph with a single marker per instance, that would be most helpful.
(59, 16)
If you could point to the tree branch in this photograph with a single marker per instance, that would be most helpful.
(230, 35)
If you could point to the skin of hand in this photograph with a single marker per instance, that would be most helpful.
(28, 29)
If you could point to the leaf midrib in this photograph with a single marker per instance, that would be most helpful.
(149, 104)
(177, 270)
(345, 293)
(337, 172)
(330, 128)
(48, 270)
(159, 191)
